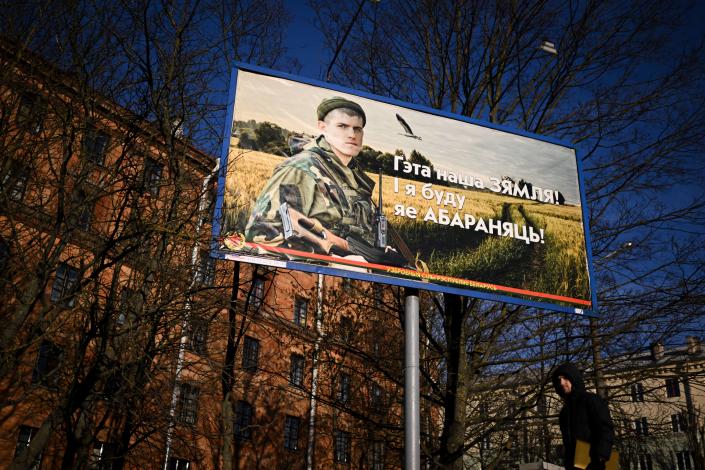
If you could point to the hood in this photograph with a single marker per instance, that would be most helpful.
(572, 373)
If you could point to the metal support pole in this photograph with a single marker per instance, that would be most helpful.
(412, 387)
(311, 446)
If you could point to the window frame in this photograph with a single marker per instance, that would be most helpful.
(673, 388)
(21, 444)
(256, 294)
(297, 370)
(342, 388)
(177, 463)
(47, 364)
(95, 145)
(300, 311)
(187, 405)
(679, 423)
(197, 335)
(641, 426)
(104, 459)
(644, 462)
(684, 460)
(292, 428)
(16, 180)
(31, 112)
(152, 176)
(244, 416)
(376, 397)
(341, 446)
(250, 354)
(66, 280)
(377, 455)
(637, 392)
(346, 329)
(83, 202)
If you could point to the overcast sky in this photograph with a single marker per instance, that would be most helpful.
(450, 144)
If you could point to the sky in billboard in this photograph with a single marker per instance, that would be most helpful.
(487, 212)
(454, 145)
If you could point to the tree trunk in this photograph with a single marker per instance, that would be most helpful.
(456, 393)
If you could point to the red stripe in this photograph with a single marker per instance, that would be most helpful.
(419, 274)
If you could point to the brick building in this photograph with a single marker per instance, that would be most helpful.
(125, 346)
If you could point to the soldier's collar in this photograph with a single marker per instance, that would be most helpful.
(323, 144)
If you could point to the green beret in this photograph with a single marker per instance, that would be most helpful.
(336, 102)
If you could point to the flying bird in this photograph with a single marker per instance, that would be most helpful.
(407, 129)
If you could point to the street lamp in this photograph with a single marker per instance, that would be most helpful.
(548, 46)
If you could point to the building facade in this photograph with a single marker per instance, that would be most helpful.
(125, 346)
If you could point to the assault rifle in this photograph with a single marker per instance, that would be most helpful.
(297, 226)
(380, 219)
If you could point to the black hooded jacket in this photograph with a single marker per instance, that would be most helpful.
(584, 416)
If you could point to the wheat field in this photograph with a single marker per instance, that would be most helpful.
(556, 266)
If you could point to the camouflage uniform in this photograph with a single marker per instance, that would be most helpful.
(318, 185)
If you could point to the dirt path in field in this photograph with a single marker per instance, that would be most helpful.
(530, 262)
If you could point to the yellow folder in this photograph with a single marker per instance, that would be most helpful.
(582, 456)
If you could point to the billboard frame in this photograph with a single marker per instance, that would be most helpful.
(217, 253)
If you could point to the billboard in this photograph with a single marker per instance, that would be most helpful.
(320, 178)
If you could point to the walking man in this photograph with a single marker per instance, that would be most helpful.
(585, 416)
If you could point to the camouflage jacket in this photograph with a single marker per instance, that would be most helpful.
(318, 185)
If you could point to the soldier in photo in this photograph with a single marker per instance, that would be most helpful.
(319, 200)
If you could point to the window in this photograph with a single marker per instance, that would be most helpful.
(24, 437)
(83, 204)
(341, 447)
(641, 426)
(256, 293)
(31, 111)
(4, 255)
(129, 305)
(376, 397)
(64, 285)
(46, 369)
(250, 354)
(187, 406)
(296, 375)
(672, 387)
(346, 329)
(14, 181)
(486, 443)
(377, 456)
(292, 424)
(679, 422)
(95, 146)
(102, 457)
(644, 462)
(152, 175)
(683, 460)
(178, 464)
(378, 295)
(342, 389)
(300, 311)
(637, 392)
(243, 420)
(113, 382)
(197, 335)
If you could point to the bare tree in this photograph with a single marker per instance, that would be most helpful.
(104, 195)
(626, 92)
